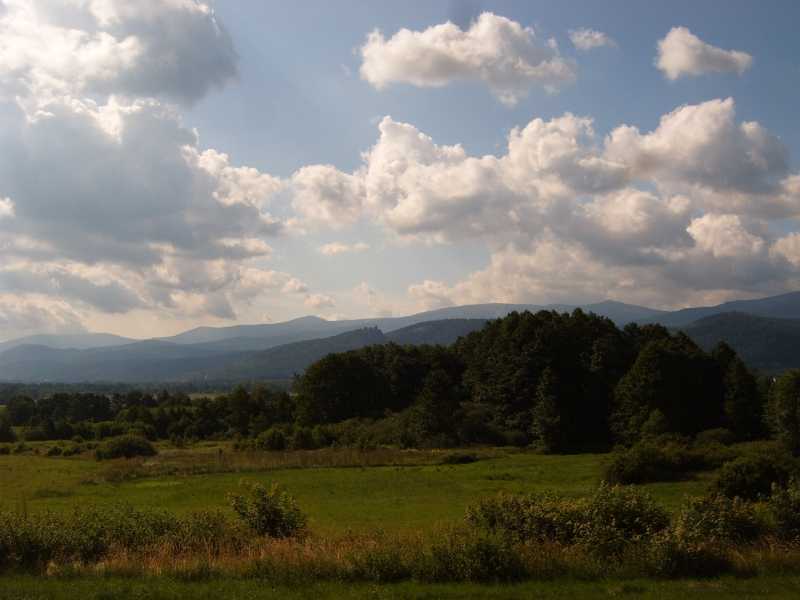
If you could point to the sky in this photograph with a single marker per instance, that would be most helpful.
(166, 164)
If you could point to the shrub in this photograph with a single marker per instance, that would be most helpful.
(715, 436)
(663, 459)
(21, 448)
(55, 451)
(125, 446)
(464, 556)
(717, 519)
(528, 518)
(270, 512)
(302, 439)
(669, 556)
(784, 508)
(606, 523)
(616, 517)
(271, 439)
(459, 458)
(751, 477)
(5, 450)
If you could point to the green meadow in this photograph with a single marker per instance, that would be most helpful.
(411, 491)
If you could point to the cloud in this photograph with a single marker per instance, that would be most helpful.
(133, 213)
(681, 54)
(335, 248)
(703, 146)
(6, 208)
(174, 49)
(724, 236)
(319, 301)
(375, 302)
(321, 194)
(26, 315)
(431, 294)
(589, 39)
(507, 57)
(106, 295)
(788, 247)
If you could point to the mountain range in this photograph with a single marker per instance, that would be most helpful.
(765, 332)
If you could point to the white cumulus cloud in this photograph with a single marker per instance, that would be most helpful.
(589, 39)
(681, 53)
(503, 54)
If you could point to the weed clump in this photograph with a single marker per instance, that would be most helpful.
(271, 512)
(125, 446)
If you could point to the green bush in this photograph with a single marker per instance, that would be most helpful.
(125, 446)
(605, 523)
(270, 512)
(717, 519)
(616, 517)
(663, 459)
(715, 436)
(784, 508)
(459, 458)
(528, 518)
(464, 556)
(55, 451)
(271, 439)
(671, 557)
(302, 439)
(752, 476)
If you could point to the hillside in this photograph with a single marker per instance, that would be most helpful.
(785, 306)
(763, 343)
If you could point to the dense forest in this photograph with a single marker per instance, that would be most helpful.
(559, 382)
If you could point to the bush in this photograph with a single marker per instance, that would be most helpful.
(606, 523)
(55, 451)
(5, 450)
(616, 517)
(460, 556)
(784, 508)
(125, 446)
(752, 477)
(715, 436)
(302, 439)
(663, 459)
(270, 512)
(459, 458)
(271, 439)
(669, 556)
(717, 519)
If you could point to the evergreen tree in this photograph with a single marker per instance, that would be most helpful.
(545, 418)
(743, 409)
(784, 410)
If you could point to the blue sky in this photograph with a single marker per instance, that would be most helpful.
(297, 197)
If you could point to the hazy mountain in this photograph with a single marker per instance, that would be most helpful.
(785, 306)
(238, 351)
(764, 343)
(442, 332)
(139, 361)
(79, 341)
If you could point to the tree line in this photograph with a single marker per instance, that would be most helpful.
(560, 382)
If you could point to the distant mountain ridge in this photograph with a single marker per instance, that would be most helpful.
(241, 351)
(785, 306)
(764, 343)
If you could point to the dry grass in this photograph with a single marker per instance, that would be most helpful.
(220, 459)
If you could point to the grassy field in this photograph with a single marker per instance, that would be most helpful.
(411, 491)
(342, 491)
(30, 588)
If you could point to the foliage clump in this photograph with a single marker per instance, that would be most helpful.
(126, 446)
(753, 476)
(271, 512)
